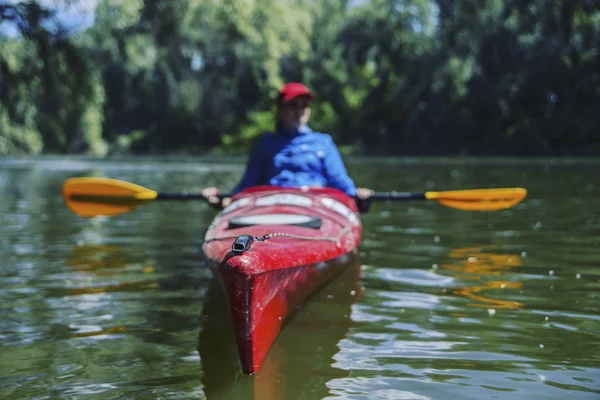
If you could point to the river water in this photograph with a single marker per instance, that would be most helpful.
(441, 303)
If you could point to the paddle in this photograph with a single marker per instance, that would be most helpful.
(471, 200)
(91, 197)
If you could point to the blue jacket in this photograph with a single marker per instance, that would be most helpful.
(307, 158)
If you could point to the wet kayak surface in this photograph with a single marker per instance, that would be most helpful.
(440, 303)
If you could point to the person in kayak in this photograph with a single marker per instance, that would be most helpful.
(294, 155)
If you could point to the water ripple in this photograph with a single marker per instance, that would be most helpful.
(448, 304)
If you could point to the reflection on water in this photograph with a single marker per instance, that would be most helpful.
(477, 265)
(457, 305)
(103, 260)
(304, 349)
(93, 264)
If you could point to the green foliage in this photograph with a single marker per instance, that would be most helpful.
(324, 116)
(127, 143)
(393, 77)
(258, 123)
(91, 122)
(18, 139)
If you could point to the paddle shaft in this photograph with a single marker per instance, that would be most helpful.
(375, 196)
(183, 196)
(363, 205)
(398, 196)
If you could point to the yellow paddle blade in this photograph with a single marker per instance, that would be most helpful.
(91, 197)
(479, 199)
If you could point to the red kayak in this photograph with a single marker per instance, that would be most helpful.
(273, 247)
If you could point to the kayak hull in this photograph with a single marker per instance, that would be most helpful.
(268, 273)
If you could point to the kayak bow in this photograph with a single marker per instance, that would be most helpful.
(271, 249)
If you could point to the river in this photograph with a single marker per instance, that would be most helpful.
(441, 303)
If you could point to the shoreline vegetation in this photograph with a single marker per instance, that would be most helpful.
(414, 78)
(198, 160)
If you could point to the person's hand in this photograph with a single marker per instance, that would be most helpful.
(363, 199)
(212, 195)
(225, 201)
(364, 193)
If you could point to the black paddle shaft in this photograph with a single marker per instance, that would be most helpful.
(363, 205)
(181, 196)
(375, 196)
(398, 196)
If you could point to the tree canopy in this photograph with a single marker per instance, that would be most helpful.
(411, 77)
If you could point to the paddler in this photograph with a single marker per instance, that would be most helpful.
(294, 155)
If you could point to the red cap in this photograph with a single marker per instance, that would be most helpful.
(294, 89)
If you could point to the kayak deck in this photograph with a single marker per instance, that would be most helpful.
(271, 249)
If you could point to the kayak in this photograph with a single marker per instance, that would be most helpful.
(305, 348)
(270, 250)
